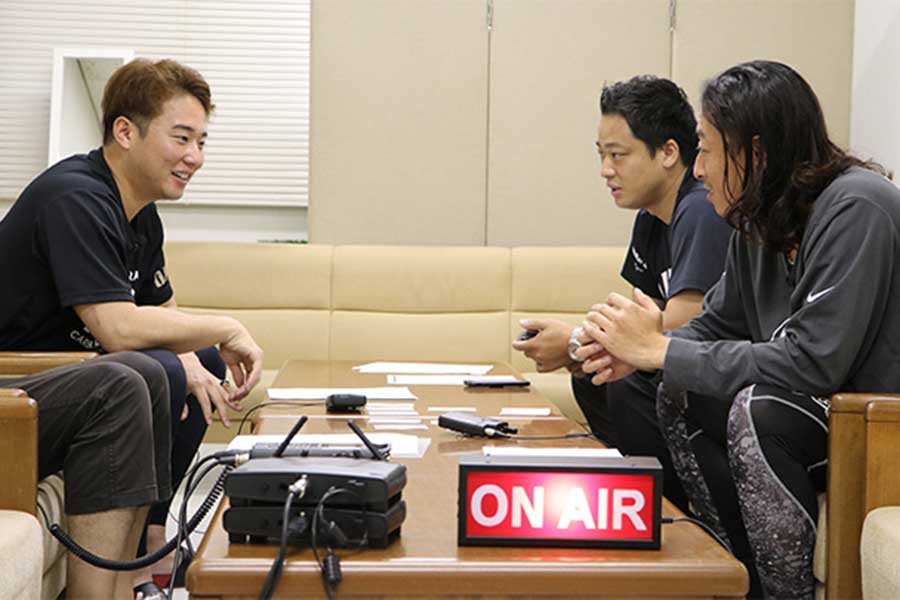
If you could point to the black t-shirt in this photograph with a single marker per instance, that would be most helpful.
(66, 241)
(689, 254)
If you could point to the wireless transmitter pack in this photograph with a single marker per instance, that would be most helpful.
(470, 424)
(356, 492)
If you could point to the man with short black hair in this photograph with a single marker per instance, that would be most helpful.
(82, 252)
(647, 142)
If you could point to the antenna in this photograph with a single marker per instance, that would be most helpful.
(294, 430)
(365, 440)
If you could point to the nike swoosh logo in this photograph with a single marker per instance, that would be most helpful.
(810, 298)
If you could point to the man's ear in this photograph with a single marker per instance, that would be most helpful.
(671, 153)
(124, 132)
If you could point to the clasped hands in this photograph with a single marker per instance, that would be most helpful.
(623, 335)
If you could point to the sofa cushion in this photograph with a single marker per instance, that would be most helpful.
(51, 498)
(879, 549)
(245, 275)
(454, 337)
(21, 556)
(557, 387)
(820, 554)
(565, 279)
(411, 279)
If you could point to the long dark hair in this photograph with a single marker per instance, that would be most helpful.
(796, 159)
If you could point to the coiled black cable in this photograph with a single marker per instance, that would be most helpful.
(148, 559)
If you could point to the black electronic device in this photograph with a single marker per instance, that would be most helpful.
(262, 524)
(474, 425)
(527, 334)
(496, 381)
(267, 450)
(344, 403)
(266, 480)
(352, 491)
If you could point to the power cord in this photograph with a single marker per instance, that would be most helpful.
(702, 525)
(253, 409)
(330, 566)
(295, 490)
(228, 457)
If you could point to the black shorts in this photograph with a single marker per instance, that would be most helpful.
(105, 424)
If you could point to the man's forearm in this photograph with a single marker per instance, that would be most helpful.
(124, 326)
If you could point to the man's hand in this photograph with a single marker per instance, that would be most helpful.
(244, 359)
(208, 390)
(549, 349)
(631, 332)
(602, 364)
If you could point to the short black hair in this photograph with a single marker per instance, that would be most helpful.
(656, 110)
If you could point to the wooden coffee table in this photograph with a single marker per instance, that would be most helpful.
(426, 561)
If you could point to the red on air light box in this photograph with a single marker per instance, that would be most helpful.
(571, 501)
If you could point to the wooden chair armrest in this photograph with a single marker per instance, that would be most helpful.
(882, 443)
(857, 403)
(26, 363)
(864, 433)
(18, 447)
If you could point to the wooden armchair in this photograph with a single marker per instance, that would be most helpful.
(864, 439)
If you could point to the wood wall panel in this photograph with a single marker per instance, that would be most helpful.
(549, 61)
(815, 37)
(398, 112)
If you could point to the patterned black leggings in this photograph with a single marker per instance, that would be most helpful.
(752, 468)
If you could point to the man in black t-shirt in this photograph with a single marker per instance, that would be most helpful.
(647, 142)
(82, 260)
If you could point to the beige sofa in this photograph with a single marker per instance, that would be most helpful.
(364, 303)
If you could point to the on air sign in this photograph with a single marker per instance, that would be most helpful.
(560, 501)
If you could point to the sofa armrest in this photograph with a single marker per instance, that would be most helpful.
(850, 493)
(26, 363)
(18, 446)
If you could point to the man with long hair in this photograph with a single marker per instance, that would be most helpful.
(806, 308)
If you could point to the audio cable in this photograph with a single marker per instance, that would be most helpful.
(227, 458)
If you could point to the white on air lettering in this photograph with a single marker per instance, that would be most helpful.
(626, 503)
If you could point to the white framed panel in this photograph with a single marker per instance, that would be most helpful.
(549, 61)
(79, 76)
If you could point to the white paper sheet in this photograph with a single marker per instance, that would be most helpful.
(422, 368)
(393, 406)
(510, 411)
(398, 427)
(444, 379)
(556, 452)
(402, 445)
(377, 393)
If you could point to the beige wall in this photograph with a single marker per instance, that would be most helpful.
(429, 129)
